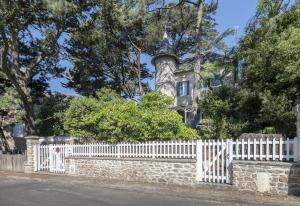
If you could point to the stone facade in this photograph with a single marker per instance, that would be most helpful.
(280, 178)
(179, 172)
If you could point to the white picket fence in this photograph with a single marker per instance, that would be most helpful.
(156, 149)
(214, 157)
(50, 158)
(265, 149)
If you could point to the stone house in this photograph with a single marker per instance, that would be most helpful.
(180, 81)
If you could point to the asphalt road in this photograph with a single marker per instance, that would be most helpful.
(39, 191)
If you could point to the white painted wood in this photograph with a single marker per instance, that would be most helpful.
(260, 149)
(248, 149)
(227, 161)
(218, 161)
(209, 161)
(267, 149)
(237, 149)
(254, 149)
(199, 164)
(273, 150)
(243, 149)
(222, 161)
(213, 162)
(295, 149)
(205, 161)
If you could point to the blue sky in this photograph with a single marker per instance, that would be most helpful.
(230, 14)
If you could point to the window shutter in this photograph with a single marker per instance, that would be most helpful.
(177, 89)
(187, 87)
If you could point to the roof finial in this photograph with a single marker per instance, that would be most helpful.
(165, 34)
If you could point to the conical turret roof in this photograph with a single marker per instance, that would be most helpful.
(165, 49)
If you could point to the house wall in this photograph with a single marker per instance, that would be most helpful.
(164, 76)
(189, 100)
(278, 178)
(185, 76)
(179, 172)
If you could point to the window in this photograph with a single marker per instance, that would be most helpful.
(183, 88)
(216, 81)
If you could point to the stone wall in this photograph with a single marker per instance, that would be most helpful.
(280, 178)
(180, 172)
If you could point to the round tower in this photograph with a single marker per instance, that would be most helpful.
(165, 62)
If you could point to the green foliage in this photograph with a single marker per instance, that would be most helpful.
(31, 38)
(219, 108)
(269, 130)
(50, 118)
(10, 107)
(108, 117)
(106, 48)
(155, 101)
(231, 112)
(270, 52)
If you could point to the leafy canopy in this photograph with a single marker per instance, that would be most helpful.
(50, 117)
(109, 117)
(270, 54)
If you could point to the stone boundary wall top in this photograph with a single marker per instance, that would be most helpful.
(137, 159)
(252, 136)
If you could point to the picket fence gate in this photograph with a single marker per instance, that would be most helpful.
(213, 157)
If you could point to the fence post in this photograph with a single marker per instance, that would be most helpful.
(30, 165)
(230, 159)
(90, 150)
(153, 149)
(199, 167)
(296, 149)
(118, 150)
(297, 138)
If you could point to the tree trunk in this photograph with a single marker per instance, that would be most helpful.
(29, 118)
(12, 69)
(139, 74)
(3, 140)
(200, 5)
(24, 93)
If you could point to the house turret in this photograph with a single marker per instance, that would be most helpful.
(166, 63)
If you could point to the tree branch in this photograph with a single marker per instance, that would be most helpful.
(170, 7)
(34, 63)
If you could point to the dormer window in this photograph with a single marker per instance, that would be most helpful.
(183, 88)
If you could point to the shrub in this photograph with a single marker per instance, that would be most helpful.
(108, 117)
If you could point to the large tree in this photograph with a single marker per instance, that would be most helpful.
(29, 44)
(107, 49)
(270, 49)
